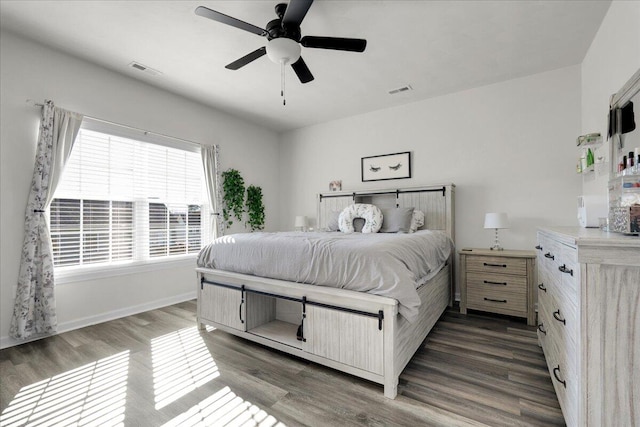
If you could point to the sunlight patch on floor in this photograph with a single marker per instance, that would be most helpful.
(181, 363)
(224, 408)
(92, 395)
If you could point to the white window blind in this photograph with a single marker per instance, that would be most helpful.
(126, 200)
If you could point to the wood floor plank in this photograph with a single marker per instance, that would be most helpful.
(487, 381)
(472, 370)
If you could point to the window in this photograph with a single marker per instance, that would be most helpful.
(125, 197)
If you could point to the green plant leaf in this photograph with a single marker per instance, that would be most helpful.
(255, 208)
(233, 196)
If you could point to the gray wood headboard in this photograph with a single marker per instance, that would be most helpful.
(436, 201)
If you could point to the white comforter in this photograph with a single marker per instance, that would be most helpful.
(391, 265)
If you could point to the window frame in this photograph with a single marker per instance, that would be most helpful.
(77, 273)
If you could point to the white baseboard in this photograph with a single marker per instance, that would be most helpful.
(71, 325)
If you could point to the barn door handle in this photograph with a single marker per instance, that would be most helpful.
(241, 304)
(300, 332)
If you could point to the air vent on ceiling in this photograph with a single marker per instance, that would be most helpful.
(138, 66)
(400, 89)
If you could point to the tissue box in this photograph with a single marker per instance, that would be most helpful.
(625, 219)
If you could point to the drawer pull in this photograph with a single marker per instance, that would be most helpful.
(564, 269)
(556, 315)
(540, 326)
(548, 255)
(489, 282)
(556, 371)
(496, 300)
(538, 247)
(488, 264)
(541, 287)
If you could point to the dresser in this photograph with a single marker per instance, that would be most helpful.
(498, 282)
(589, 323)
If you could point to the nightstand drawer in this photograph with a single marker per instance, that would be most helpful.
(497, 264)
(501, 283)
(510, 299)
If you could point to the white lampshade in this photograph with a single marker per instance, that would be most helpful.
(496, 220)
(301, 221)
(283, 50)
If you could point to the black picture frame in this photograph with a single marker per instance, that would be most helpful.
(386, 166)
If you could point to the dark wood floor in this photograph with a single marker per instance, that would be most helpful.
(156, 369)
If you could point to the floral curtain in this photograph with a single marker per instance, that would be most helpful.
(213, 180)
(34, 312)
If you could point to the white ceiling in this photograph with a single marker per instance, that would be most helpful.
(437, 47)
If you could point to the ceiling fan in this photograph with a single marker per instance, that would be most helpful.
(284, 38)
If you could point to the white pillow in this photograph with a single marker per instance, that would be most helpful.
(417, 221)
(370, 213)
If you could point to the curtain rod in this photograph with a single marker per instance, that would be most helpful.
(146, 132)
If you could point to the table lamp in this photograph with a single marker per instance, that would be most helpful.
(301, 223)
(496, 220)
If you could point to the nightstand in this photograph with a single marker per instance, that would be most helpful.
(498, 282)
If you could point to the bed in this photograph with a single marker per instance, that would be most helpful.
(367, 321)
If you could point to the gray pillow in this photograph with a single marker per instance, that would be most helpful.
(396, 220)
(332, 222)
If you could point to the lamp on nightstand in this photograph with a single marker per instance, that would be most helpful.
(496, 220)
(301, 223)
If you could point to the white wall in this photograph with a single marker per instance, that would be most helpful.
(508, 147)
(612, 58)
(30, 70)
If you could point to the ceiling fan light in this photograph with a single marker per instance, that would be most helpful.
(283, 50)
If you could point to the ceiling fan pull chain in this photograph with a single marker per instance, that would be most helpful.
(284, 99)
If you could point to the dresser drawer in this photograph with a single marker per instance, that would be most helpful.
(548, 256)
(563, 318)
(562, 362)
(569, 274)
(565, 383)
(542, 329)
(497, 264)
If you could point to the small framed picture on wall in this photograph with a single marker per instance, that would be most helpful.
(386, 166)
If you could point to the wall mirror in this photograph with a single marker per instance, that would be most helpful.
(624, 123)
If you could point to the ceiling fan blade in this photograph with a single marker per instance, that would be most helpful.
(225, 19)
(296, 11)
(336, 43)
(302, 71)
(247, 59)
